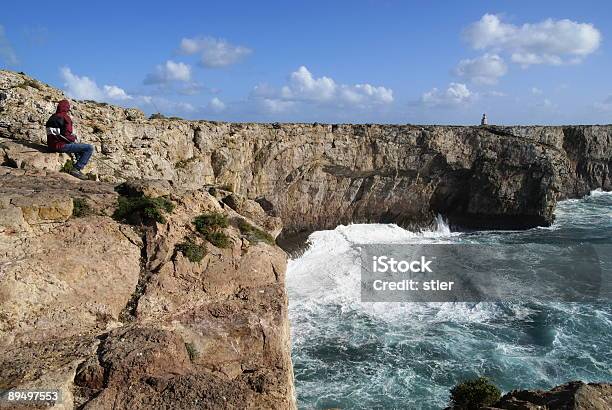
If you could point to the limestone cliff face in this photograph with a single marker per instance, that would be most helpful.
(115, 316)
(316, 176)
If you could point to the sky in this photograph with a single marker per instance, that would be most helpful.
(360, 61)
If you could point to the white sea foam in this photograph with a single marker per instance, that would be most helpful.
(599, 192)
(329, 273)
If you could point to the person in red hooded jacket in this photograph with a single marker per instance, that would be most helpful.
(61, 139)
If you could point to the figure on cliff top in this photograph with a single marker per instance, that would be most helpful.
(484, 120)
(61, 139)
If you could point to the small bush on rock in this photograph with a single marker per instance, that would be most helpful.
(474, 394)
(191, 351)
(219, 239)
(211, 226)
(254, 234)
(68, 166)
(211, 221)
(80, 208)
(142, 209)
(192, 251)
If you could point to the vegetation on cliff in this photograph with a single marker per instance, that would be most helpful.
(474, 394)
(191, 250)
(211, 226)
(254, 234)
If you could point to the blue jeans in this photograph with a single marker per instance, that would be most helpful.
(82, 151)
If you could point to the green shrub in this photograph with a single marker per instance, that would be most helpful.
(254, 234)
(68, 166)
(191, 351)
(142, 209)
(191, 250)
(80, 208)
(475, 393)
(210, 225)
(211, 221)
(218, 238)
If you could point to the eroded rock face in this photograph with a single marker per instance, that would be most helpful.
(316, 176)
(571, 396)
(116, 317)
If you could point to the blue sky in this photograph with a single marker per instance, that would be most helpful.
(326, 61)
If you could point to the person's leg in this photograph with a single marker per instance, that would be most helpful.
(82, 151)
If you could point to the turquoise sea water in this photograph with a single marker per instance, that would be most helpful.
(353, 355)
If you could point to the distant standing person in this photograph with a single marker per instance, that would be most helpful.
(484, 120)
(61, 139)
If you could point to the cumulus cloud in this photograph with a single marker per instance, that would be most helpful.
(303, 87)
(214, 52)
(168, 72)
(486, 69)
(84, 88)
(7, 54)
(216, 105)
(115, 93)
(536, 91)
(548, 42)
(456, 94)
(276, 105)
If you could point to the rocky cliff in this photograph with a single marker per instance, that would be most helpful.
(117, 314)
(120, 316)
(316, 176)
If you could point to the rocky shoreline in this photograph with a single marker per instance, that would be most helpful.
(116, 314)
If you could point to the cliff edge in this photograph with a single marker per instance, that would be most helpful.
(316, 176)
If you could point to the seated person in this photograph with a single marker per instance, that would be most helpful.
(61, 139)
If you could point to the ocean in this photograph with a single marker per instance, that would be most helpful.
(350, 354)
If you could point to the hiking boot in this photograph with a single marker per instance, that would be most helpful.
(78, 174)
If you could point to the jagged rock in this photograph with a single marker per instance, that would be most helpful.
(571, 396)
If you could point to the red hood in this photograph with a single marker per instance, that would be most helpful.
(63, 107)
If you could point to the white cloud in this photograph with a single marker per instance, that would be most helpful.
(216, 105)
(84, 88)
(455, 94)
(548, 42)
(115, 93)
(536, 91)
(168, 72)
(6, 50)
(214, 52)
(304, 87)
(486, 69)
(276, 106)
